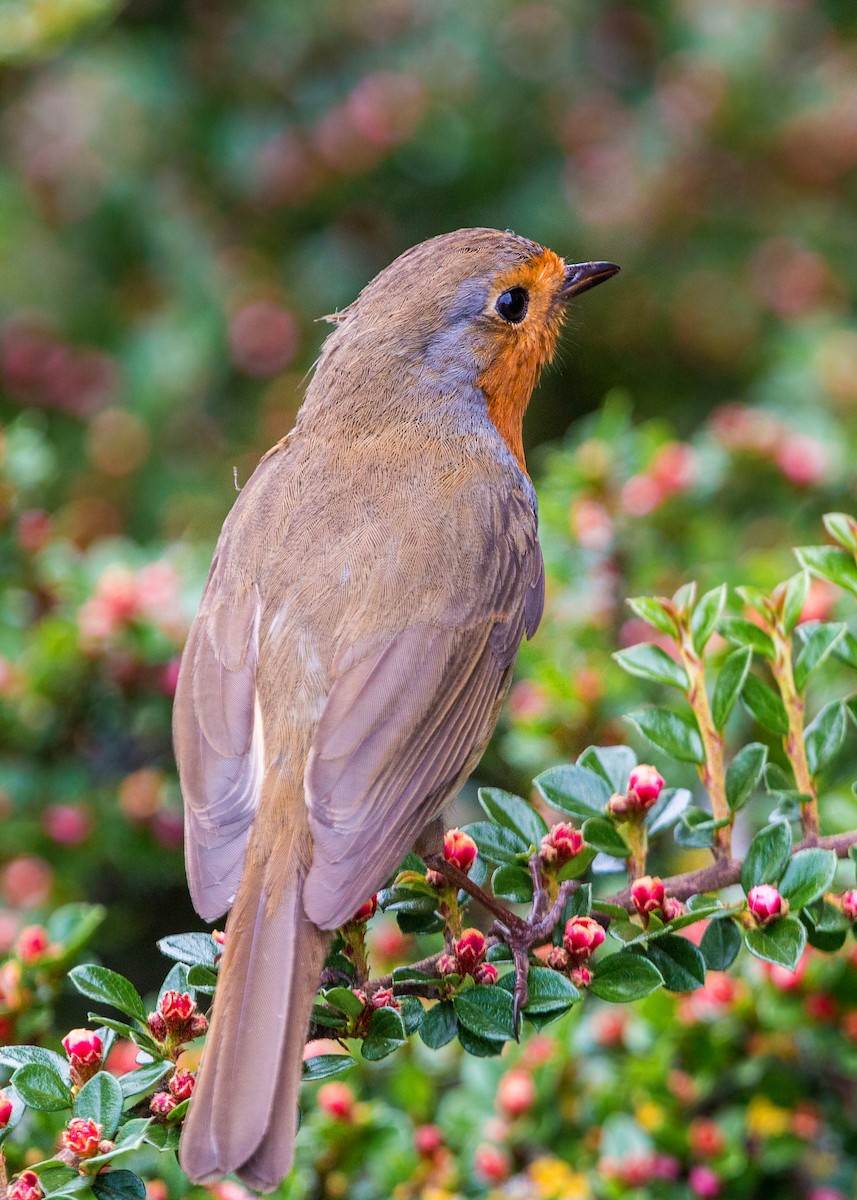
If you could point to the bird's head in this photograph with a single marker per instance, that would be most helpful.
(477, 311)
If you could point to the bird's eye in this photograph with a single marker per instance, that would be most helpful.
(512, 305)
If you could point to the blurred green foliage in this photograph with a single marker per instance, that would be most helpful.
(187, 187)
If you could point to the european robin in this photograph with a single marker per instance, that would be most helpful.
(354, 645)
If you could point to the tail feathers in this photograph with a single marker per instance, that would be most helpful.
(243, 1116)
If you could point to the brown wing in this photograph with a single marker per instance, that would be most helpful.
(406, 721)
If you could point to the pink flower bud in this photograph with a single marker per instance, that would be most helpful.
(81, 1136)
(385, 999)
(849, 904)
(618, 805)
(516, 1093)
(336, 1100)
(162, 1104)
(580, 976)
(181, 1084)
(582, 937)
(486, 974)
(198, 1025)
(648, 894)
(33, 943)
(176, 1008)
(492, 1163)
(83, 1047)
(459, 849)
(704, 1182)
(428, 1139)
(25, 1187)
(647, 782)
(446, 964)
(469, 950)
(673, 908)
(561, 844)
(219, 936)
(557, 959)
(766, 903)
(6, 1110)
(157, 1026)
(365, 912)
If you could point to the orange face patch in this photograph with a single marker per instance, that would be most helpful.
(522, 350)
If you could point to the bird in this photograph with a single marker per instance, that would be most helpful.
(354, 645)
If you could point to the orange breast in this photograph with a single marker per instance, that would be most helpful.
(522, 350)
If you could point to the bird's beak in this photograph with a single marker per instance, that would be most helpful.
(580, 277)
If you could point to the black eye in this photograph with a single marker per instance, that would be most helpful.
(512, 305)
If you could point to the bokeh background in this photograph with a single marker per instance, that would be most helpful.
(187, 187)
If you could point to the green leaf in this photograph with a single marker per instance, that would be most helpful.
(496, 843)
(843, 529)
(514, 813)
(706, 615)
(625, 976)
(412, 1014)
(487, 1012)
(142, 1039)
(575, 790)
(684, 597)
(680, 963)
(674, 732)
(826, 926)
(143, 1079)
(720, 944)
(345, 1000)
(845, 649)
(130, 1137)
(19, 1056)
(202, 979)
(439, 1025)
(550, 992)
(655, 612)
(41, 1087)
(782, 942)
(697, 828)
(819, 641)
(743, 774)
(764, 705)
(101, 1099)
(512, 883)
(102, 984)
(577, 866)
(829, 563)
(613, 763)
(176, 980)
(767, 855)
(797, 590)
(478, 1046)
(647, 661)
(603, 835)
(729, 683)
(808, 875)
(118, 1185)
(322, 1066)
(386, 1033)
(747, 633)
(823, 738)
(195, 949)
(421, 901)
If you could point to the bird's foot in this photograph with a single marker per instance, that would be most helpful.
(522, 935)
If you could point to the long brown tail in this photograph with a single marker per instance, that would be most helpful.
(243, 1116)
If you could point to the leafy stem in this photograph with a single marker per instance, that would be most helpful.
(711, 769)
(793, 742)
